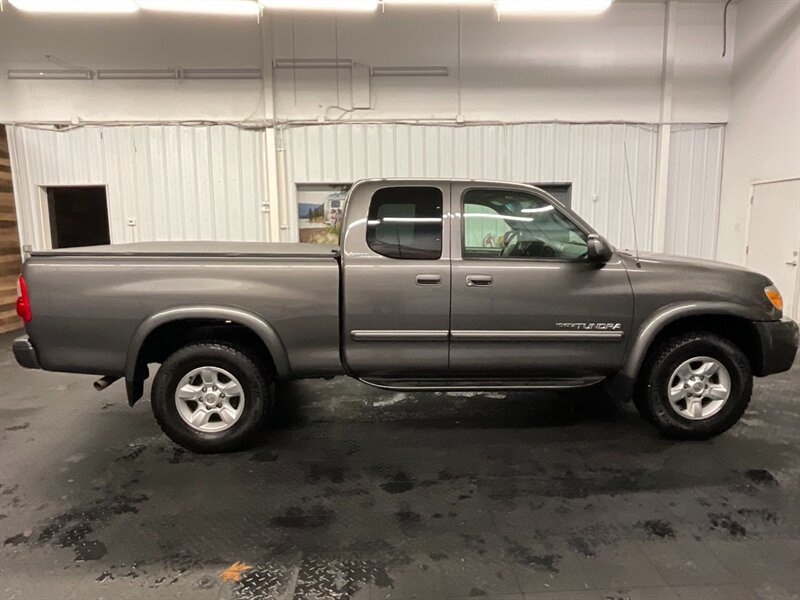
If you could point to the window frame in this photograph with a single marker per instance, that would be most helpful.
(442, 220)
(551, 201)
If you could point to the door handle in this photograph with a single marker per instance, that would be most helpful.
(478, 280)
(429, 279)
(791, 263)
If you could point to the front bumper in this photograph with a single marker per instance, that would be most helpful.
(779, 340)
(25, 353)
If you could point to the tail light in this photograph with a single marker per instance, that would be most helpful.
(23, 303)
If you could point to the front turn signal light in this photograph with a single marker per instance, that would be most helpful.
(774, 296)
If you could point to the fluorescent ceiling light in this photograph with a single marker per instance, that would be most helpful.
(49, 74)
(551, 7)
(76, 6)
(208, 7)
(324, 5)
(441, 2)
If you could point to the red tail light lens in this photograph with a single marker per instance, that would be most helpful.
(23, 304)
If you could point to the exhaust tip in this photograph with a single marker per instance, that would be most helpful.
(104, 382)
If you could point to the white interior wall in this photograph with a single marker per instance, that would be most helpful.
(175, 183)
(590, 156)
(597, 69)
(763, 137)
(207, 182)
(504, 78)
(693, 190)
(128, 42)
(605, 68)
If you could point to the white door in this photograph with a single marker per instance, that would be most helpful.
(774, 238)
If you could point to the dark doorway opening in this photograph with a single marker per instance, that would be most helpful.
(560, 191)
(78, 216)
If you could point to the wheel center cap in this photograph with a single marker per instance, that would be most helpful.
(697, 387)
(210, 399)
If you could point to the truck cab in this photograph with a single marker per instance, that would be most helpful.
(477, 281)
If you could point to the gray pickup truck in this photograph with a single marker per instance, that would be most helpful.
(437, 284)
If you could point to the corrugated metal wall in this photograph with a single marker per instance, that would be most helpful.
(590, 156)
(177, 183)
(693, 190)
(208, 182)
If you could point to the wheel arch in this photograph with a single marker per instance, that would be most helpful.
(195, 322)
(723, 318)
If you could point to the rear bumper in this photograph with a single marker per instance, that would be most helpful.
(25, 353)
(779, 340)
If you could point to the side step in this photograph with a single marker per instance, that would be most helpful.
(432, 385)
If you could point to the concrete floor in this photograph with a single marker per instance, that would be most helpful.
(358, 493)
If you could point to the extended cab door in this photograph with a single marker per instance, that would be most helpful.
(396, 280)
(526, 303)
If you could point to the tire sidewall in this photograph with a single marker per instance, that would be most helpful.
(250, 377)
(714, 347)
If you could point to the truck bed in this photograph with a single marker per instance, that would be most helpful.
(88, 303)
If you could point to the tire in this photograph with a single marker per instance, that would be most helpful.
(697, 350)
(206, 365)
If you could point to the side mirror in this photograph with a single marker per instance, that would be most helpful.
(598, 251)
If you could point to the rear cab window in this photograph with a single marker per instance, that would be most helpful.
(406, 223)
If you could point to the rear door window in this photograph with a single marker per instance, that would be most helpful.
(406, 223)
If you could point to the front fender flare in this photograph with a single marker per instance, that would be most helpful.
(256, 324)
(623, 384)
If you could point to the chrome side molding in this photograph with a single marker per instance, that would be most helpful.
(386, 335)
(496, 335)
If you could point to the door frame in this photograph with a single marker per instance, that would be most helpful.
(357, 254)
(750, 203)
(536, 336)
(42, 210)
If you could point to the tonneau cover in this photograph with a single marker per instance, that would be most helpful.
(199, 249)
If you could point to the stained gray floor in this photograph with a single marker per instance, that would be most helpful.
(358, 493)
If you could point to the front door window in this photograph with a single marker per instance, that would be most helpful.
(511, 224)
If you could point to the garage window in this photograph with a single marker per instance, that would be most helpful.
(406, 223)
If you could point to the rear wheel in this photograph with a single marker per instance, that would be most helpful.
(211, 397)
(696, 386)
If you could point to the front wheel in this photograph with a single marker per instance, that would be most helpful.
(696, 386)
(210, 397)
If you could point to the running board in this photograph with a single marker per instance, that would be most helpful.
(488, 385)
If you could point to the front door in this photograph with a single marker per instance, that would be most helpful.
(396, 280)
(526, 303)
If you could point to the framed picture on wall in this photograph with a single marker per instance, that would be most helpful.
(320, 208)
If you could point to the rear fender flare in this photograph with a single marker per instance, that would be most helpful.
(256, 324)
